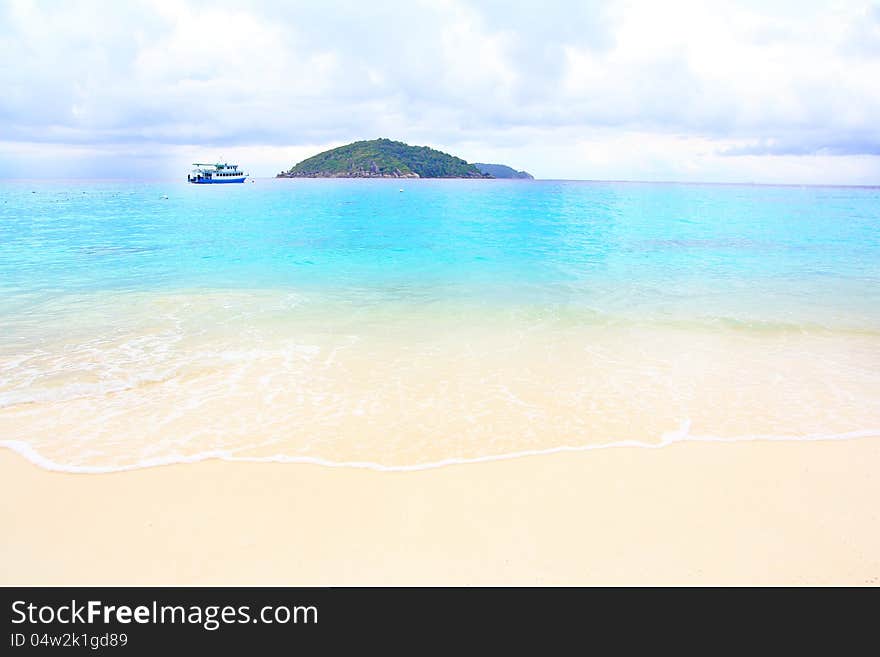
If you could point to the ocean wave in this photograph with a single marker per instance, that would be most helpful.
(680, 435)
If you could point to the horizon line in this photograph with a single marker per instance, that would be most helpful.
(518, 180)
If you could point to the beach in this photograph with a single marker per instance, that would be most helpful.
(689, 513)
(431, 295)
(474, 382)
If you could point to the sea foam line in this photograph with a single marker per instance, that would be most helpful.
(681, 435)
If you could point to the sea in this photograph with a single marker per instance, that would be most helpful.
(408, 324)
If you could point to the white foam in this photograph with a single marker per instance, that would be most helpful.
(27, 451)
(681, 435)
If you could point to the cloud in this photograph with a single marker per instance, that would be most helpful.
(151, 80)
(809, 145)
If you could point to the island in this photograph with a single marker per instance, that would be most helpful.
(503, 171)
(385, 158)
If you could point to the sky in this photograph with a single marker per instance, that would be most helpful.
(752, 91)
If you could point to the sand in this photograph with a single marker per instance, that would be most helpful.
(690, 513)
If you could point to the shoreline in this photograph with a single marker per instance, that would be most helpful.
(24, 450)
(692, 513)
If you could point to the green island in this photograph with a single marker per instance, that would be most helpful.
(503, 171)
(385, 158)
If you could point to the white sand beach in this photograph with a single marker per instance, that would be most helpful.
(690, 513)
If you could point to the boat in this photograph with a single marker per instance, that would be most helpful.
(220, 172)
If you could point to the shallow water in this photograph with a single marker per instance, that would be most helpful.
(347, 322)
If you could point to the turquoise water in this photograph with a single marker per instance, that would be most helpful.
(798, 254)
(122, 304)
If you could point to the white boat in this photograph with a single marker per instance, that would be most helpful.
(212, 174)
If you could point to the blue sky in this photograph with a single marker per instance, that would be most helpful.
(721, 91)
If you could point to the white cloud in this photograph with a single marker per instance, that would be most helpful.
(745, 91)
